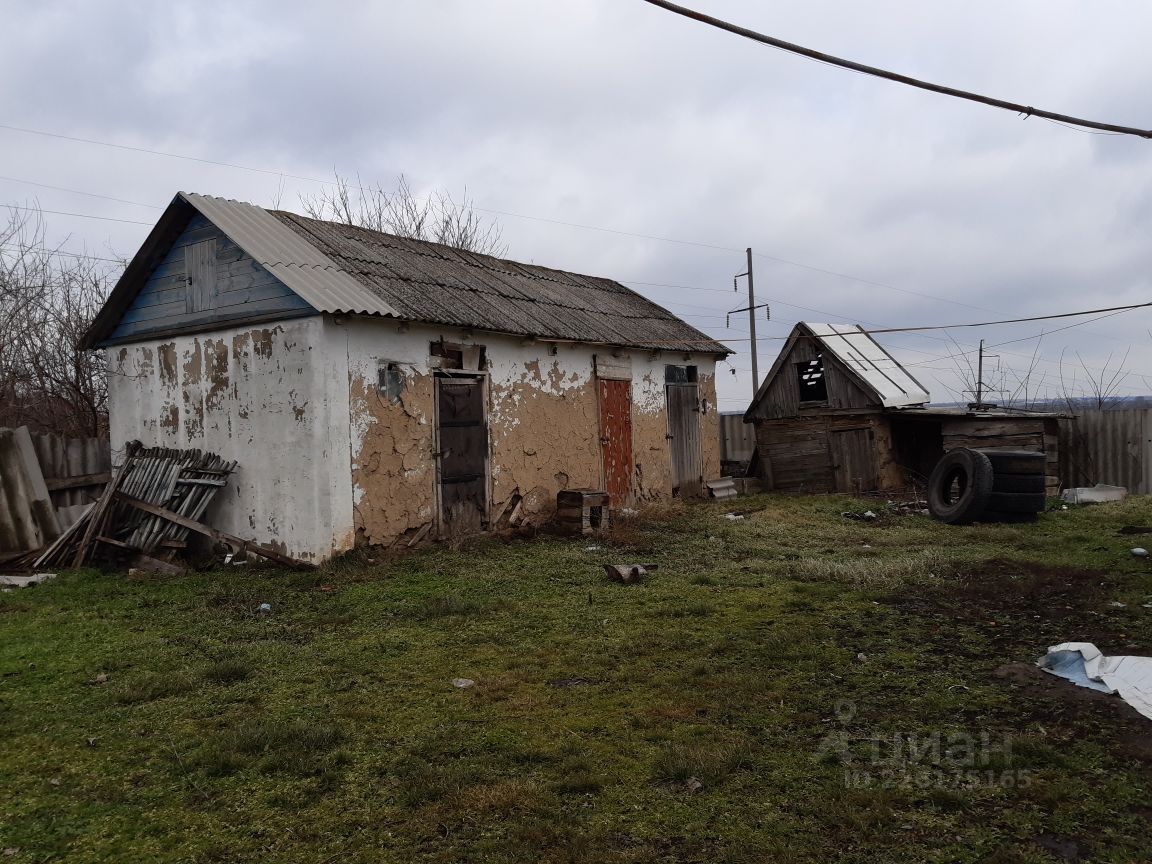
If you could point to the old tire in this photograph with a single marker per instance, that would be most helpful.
(1016, 502)
(959, 487)
(1016, 461)
(1030, 483)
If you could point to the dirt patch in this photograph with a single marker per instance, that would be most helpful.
(1024, 605)
(1071, 711)
(1064, 848)
(998, 617)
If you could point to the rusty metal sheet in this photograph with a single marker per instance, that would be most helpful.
(616, 438)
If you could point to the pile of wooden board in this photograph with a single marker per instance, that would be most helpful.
(148, 510)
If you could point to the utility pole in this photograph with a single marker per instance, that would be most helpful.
(752, 326)
(979, 404)
(751, 310)
(980, 377)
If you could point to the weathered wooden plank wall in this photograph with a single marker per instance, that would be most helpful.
(1113, 447)
(206, 278)
(783, 395)
(1017, 433)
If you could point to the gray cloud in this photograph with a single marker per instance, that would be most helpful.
(614, 113)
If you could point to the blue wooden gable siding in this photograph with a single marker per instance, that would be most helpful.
(243, 290)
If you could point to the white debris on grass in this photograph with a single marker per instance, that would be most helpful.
(1098, 494)
(463, 683)
(1083, 664)
(9, 581)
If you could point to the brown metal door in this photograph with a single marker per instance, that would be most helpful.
(684, 431)
(463, 455)
(853, 460)
(616, 439)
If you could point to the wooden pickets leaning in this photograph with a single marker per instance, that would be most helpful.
(217, 535)
(147, 510)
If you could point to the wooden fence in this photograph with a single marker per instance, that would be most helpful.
(1113, 447)
(737, 438)
(46, 483)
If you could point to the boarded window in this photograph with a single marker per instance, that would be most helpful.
(679, 374)
(810, 375)
(200, 270)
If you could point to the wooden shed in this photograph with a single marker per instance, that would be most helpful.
(838, 413)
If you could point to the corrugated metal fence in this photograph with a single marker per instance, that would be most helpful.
(46, 482)
(737, 438)
(1113, 447)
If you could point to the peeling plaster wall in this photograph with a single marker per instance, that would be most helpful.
(544, 430)
(260, 395)
(392, 471)
(329, 460)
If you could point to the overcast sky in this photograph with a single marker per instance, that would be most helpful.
(617, 114)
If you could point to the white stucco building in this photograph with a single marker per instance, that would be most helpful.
(379, 390)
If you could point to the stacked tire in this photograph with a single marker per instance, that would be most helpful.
(987, 486)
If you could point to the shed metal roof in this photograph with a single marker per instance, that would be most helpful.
(857, 350)
(874, 369)
(340, 268)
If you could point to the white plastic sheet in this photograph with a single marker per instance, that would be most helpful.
(1083, 664)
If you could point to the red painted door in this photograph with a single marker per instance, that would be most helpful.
(616, 439)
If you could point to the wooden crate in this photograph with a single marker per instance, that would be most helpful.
(582, 511)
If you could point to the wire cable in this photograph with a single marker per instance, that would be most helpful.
(1026, 110)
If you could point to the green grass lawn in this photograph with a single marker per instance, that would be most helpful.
(795, 686)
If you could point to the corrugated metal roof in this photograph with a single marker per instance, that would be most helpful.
(857, 350)
(344, 269)
(431, 282)
(289, 257)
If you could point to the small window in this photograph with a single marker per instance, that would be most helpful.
(679, 374)
(810, 376)
(391, 382)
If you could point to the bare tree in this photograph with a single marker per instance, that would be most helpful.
(47, 301)
(1020, 392)
(1101, 385)
(438, 218)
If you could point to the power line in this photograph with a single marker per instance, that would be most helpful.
(66, 253)
(582, 226)
(1058, 329)
(916, 329)
(876, 328)
(160, 153)
(80, 215)
(1026, 110)
(79, 192)
(871, 282)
